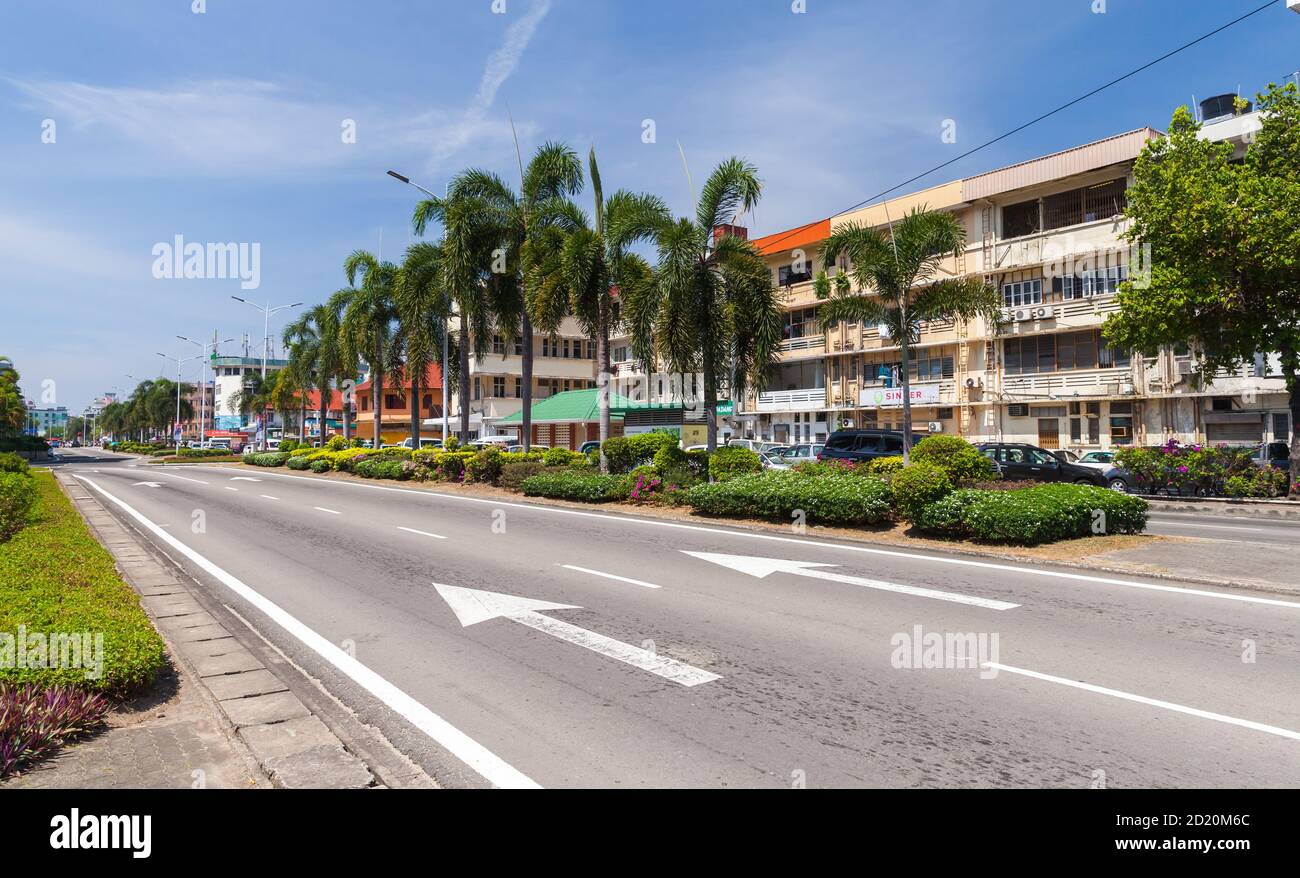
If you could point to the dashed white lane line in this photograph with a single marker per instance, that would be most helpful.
(423, 533)
(183, 478)
(268, 497)
(491, 767)
(330, 511)
(1142, 699)
(228, 488)
(610, 576)
(629, 521)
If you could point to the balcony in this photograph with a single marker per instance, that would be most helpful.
(1063, 385)
(809, 399)
(1055, 246)
(806, 346)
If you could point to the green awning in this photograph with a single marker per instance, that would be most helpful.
(575, 406)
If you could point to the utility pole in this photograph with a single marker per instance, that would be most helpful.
(176, 425)
(203, 380)
(267, 311)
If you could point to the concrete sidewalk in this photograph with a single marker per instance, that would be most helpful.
(220, 717)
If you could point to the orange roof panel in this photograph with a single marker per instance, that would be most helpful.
(812, 233)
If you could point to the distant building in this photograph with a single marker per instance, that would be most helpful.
(47, 421)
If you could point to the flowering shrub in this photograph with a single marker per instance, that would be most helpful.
(572, 484)
(1197, 470)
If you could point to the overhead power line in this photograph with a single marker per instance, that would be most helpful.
(970, 152)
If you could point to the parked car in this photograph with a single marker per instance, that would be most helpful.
(770, 462)
(516, 449)
(793, 454)
(754, 445)
(1020, 462)
(1274, 454)
(408, 442)
(864, 445)
(502, 442)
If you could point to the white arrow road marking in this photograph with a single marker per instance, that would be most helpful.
(423, 533)
(148, 484)
(472, 606)
(269, 497)
(245, 479)
(609, 576)
(330, 511)
(228, 488)
(1142, 699)
(490, 766)
(762, 567)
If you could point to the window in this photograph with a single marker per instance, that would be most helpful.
(944, 414)
(1018, 410)
(498, 386)
(1086, 284)
(801, 323)
(392, 401)
(498, 345)
(427, 402)
(621, 354)
(519, 388)
(519, 345)
(1063, 352)
(787, 274)
(1085, 205)
(1029, 292)
(565, 348)
(1020, 219)
(1221, 404)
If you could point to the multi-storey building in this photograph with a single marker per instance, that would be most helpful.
(1048, 234)
(563, 361)
(228, 379)
(48, 421)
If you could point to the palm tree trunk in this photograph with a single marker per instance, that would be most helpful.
(415, 410)
(377, 379)
(710, 405)
(603, 389)
(302, 423)
(346, 398)
(463, 354)
(324, 409)
(527, 329)
(905, 369)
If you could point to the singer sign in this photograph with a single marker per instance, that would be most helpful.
(892, 397)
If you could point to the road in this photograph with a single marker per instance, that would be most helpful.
(616, 651)
(1225, 528)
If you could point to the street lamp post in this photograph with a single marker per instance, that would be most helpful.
(446, 329)
(176, 426)
(203, 383)
(267, 311)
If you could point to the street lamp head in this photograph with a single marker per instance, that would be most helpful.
(398, 176)
(237, 299)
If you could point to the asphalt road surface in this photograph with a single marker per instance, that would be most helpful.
(615, 651)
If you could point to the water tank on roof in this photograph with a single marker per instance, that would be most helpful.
(1220, 106)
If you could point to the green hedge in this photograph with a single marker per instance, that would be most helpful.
(17, 497)
(961, 460)
(572, 484)
(23, 443)
(55, 577)
(1028, 516)
(734, 460)
(831, 499)
(885, 466)
(384, 469)
(12, 463)
(626, 453)
(298, 462)
(917, 486)
(270, 458)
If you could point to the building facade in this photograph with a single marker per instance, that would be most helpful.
(1048, 234)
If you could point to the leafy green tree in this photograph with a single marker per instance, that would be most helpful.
(713, 308)
(302, 339)
(580, 267)
(1224, 240)
(13, 410)
(894, 272)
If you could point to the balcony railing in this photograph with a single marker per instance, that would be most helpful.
(807, 343)
(792, 400)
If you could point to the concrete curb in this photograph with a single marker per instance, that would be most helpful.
(290, 743)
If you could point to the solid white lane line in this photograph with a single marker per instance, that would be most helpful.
(486, 763)
(411, 530)
(1142, 699)
(269, 497)
(228, 488)
(610, 576)
(330, 511)
(890, 553)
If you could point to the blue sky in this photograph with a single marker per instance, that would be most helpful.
(227, 126)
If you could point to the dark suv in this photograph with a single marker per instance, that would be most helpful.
(1020, 463)
(864, 445)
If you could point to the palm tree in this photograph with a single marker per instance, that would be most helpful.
(423, 309)
(302, 339)
(256, 394)
(713, 308)
(464, 261)
(366, 332)
(553, 174)
(13, 411)
(574, 267)
(895, 277)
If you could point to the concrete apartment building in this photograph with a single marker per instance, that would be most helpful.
(562, 362)
(1048, 234)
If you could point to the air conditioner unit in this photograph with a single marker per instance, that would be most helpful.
(975, 381)
(1043, 313)
(1022, 314)
(935, 426)
(1187, 367)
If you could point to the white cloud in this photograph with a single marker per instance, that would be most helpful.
(33, 250)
